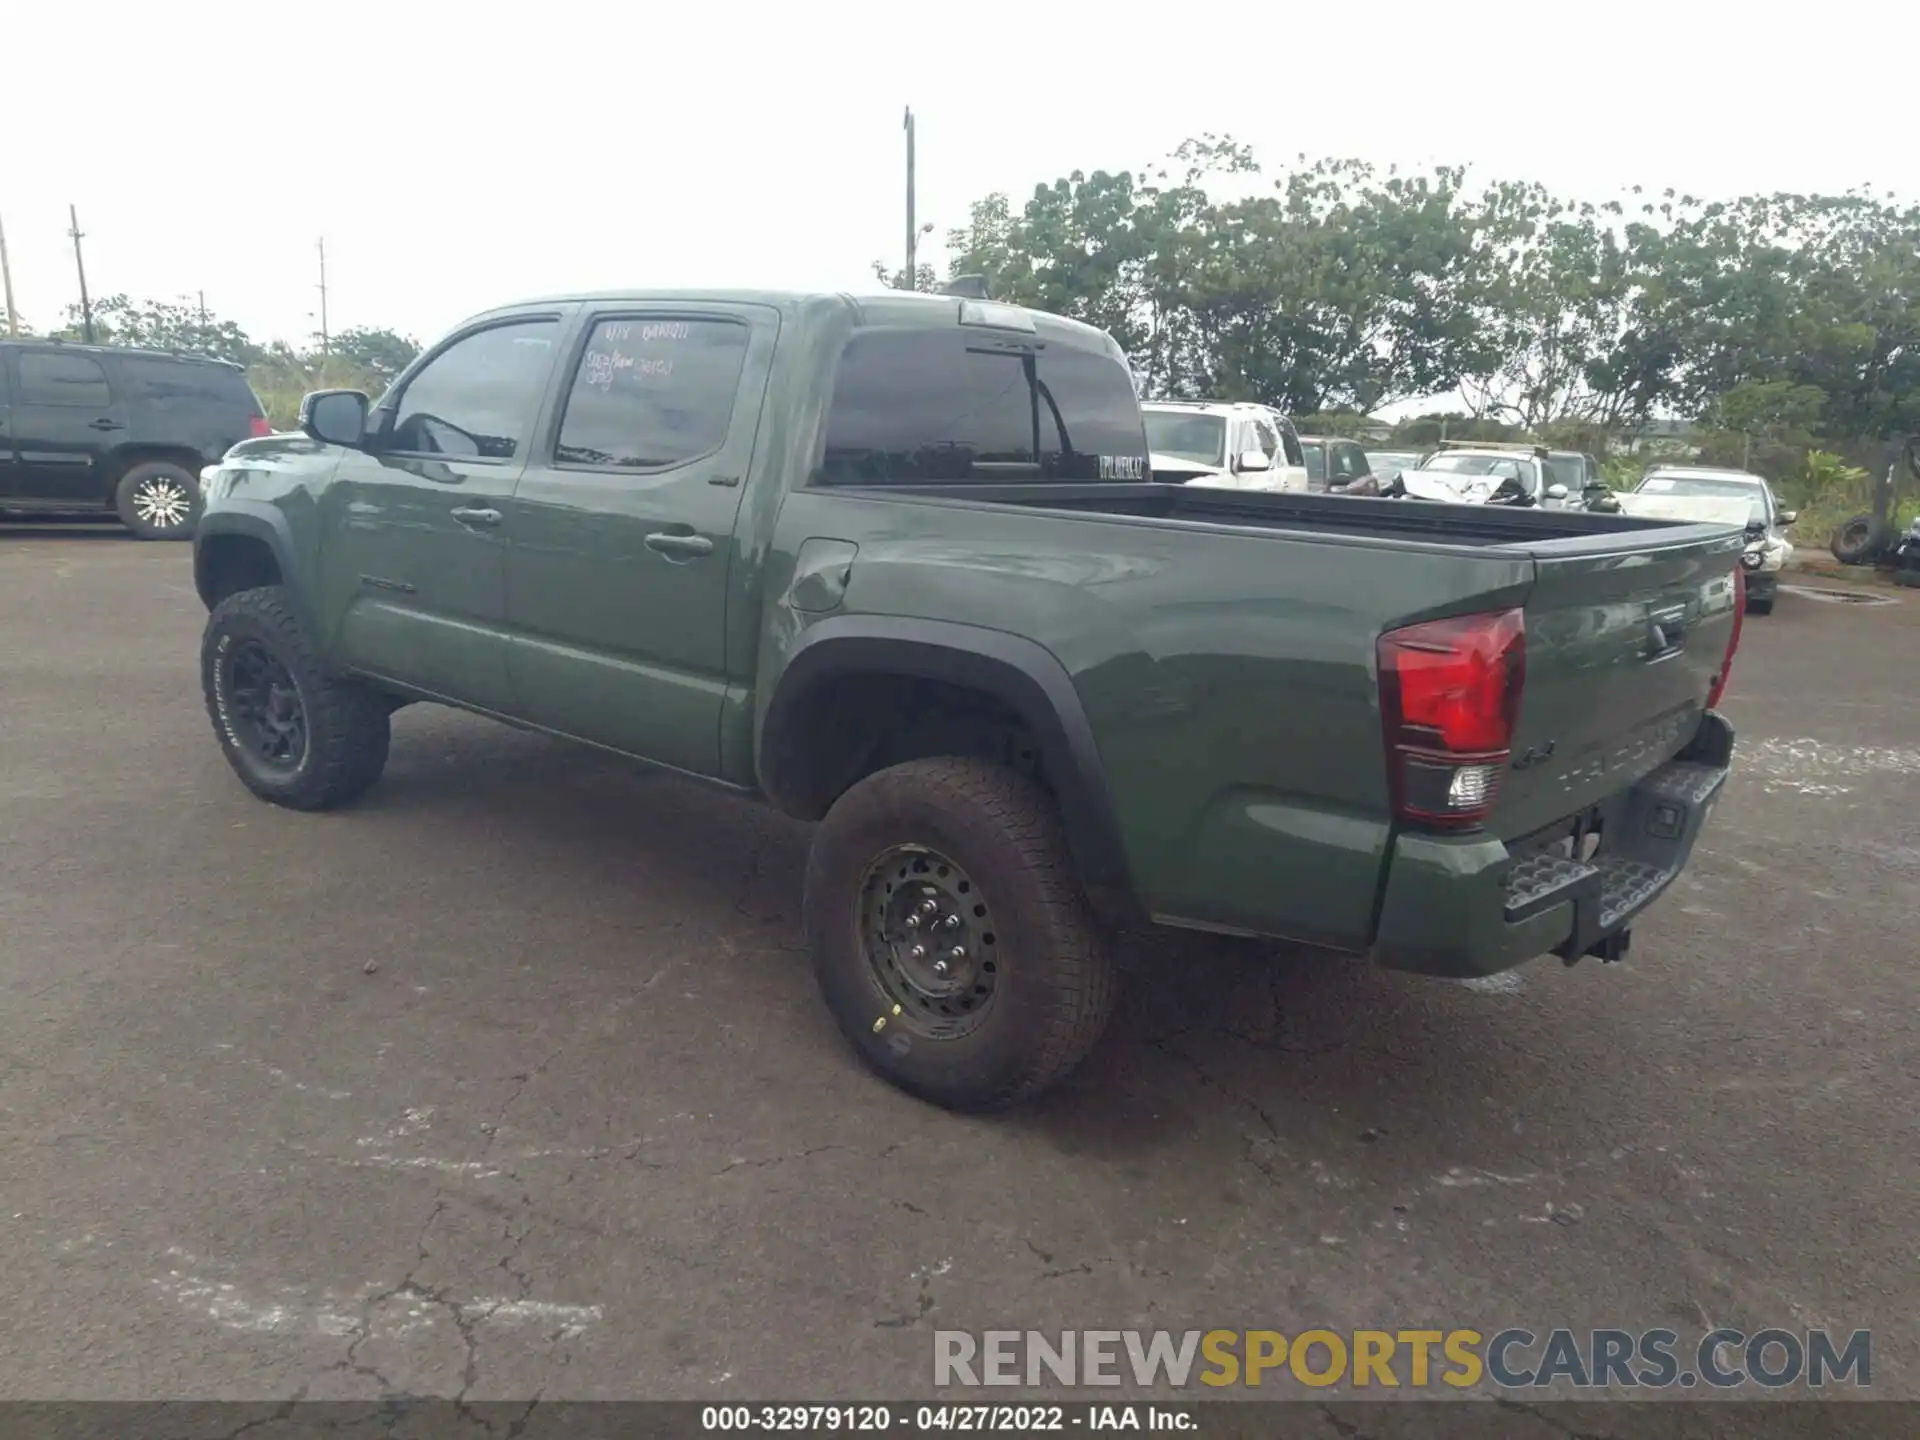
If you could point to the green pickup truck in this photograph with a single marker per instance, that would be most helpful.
(899, 565)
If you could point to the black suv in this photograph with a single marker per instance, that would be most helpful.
(95, 428)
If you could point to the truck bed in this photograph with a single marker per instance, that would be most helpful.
(1355, 517)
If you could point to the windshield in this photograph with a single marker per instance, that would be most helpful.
(1708, 488)
(1316, 459)
(1567, 470)
(1383, 460)
(1199, 438)
(1466, 464)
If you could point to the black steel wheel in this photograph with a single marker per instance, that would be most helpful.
(929, 941)
(951, 937)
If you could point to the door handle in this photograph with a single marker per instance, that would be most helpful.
(467, 515)
(668, 543)
(105, 425)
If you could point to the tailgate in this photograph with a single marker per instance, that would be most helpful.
(1625, 636)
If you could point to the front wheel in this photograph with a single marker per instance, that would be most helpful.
(156, 500)
(294, 734)
(951, 937)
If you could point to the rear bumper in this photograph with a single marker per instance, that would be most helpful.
(1467, 906)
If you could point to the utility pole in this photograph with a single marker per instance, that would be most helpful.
(326, 343)
(203, 309)
(913, 230)
(6, 275)
(86, 305)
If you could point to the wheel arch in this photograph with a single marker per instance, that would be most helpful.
(1014, 676)
(238, 549)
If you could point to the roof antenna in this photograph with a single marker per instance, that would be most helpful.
(968, 287)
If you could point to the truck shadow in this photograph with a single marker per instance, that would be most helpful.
(1256, 1046)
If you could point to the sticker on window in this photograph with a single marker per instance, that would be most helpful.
(1123, 467)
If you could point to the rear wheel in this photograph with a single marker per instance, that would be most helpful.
(950, 935)
(1853, 542)
(157, 500)
(294, 734)
(1761, 605)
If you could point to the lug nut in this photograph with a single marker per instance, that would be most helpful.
(957, 954)
(918, 952)
(940, 967)
(913, 922)
(929, 907)
(952, 922)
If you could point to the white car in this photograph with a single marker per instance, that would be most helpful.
(1234, 446)
(1734, 497)
(1466, 474)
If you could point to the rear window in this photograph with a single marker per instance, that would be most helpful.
(173, 382)
(912, 406)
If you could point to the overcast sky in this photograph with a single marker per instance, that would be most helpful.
(457, 157)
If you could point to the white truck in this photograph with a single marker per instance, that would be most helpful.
(1226, 444)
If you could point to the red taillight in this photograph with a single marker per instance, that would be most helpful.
(1733, 640)
(260, 427)
(1450, 697)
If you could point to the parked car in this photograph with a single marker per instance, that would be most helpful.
(1337, 465)
(1705, 494)
(99, 430)
(898, 565)
(1385, 464)
(1236, 446)
(1483, 473)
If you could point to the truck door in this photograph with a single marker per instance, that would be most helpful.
(617, 579)
(418, 523)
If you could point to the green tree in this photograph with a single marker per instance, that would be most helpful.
(162, 325)
(379, 354)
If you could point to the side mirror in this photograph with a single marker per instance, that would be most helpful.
(1787, 517)
(334, 417)
(1556, 491)
(1254, 460)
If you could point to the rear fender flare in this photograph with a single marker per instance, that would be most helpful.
(1019, 673)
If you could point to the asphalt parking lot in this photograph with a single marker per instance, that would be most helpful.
(512, 1079)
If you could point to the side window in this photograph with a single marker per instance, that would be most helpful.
(650, 393)
(1269, 441)
(924, 406)
(1343, 466)
(476, 398)
(52, 379)
(1357, 460)
(1290, 443)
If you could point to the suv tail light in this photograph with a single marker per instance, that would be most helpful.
(1450, 697)
(1733, 640)
(259, 427)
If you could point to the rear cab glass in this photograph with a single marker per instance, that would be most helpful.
(924, 405)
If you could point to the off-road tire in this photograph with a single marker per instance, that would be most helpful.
(151, 481)
(1055, 980)
(1760, 607)
(347, 725)
(1855, 542)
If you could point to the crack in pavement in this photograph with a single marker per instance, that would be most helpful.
(742, 1164)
